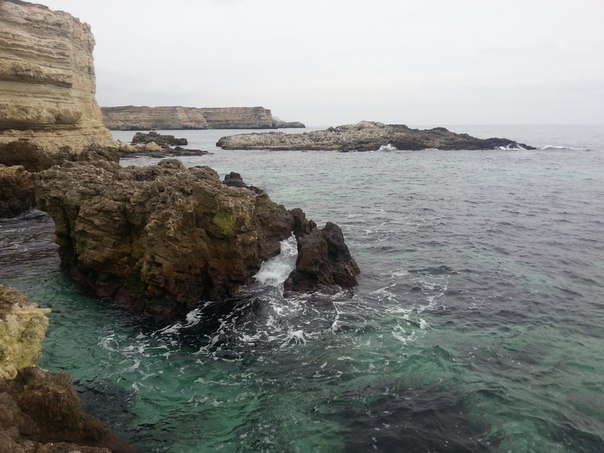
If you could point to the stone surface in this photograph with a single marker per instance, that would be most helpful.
(364, 136)
(40, 412)
(323, 260)
(22, 330)
(47, 82)
(174, 117)
(158, 240)
(16, 191)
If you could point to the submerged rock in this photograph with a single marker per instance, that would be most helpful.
(365, 136)
(159, 239)
(40, 410)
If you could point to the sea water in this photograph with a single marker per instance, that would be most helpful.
(477, 324)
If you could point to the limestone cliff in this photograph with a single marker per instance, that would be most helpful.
(47, 81)
(144, 118)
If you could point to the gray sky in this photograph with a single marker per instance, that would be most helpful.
(328, 62)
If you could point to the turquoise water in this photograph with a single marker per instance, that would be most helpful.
(476, 326)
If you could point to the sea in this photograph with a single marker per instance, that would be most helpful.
(477, 324)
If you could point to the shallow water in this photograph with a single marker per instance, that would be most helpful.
(477, 324)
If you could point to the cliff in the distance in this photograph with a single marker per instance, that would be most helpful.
(47, 82)
(144, 118)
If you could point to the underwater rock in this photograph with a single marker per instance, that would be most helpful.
(365, 136)
(323, 260)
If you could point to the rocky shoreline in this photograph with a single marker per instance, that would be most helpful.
(365, 136)
(132, 118)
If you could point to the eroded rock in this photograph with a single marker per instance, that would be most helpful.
(16, 191)
(364, 136)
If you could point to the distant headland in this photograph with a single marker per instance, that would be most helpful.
(175, 117)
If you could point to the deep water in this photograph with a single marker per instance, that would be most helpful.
(477, 324)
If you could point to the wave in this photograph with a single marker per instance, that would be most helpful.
(560, 147)
(388, 147)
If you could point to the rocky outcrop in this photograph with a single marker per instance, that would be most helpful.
(365, 136)
(16, 191)
(162, 140)
(47, 83)
(144, 118)
(39, 410)
(323, 260)
(22, 330)
(159, 239)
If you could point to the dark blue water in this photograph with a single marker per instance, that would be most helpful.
(477, 324)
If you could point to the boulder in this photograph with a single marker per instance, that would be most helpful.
(323, 260)
(365, 136)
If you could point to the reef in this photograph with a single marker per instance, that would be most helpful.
(365, 136)
(159, 239)
(40, 410)
(176, 117)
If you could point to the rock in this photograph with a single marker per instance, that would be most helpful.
(158, 239)
(161, 139)
(47, 79)
(33, 157)
(323, 260)
(364, 136)
(16, 191)
(22, 330)
(144, 118)
(279, 124)
(39, 410)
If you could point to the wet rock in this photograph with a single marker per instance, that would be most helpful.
(158, 239)
(323, 260)
(365, 136)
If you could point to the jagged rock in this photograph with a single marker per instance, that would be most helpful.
(32, 156)
(364, 136)
(47, 86)
(39, 410)
(16, 191)
(22, 329)
(323, 260)
(175, 117)
(162, 140)
(159, 239)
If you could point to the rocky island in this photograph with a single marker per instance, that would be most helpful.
(365, 136)
(176, 117)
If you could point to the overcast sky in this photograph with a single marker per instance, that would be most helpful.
(328, 62)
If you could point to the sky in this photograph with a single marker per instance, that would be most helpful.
(330, 62)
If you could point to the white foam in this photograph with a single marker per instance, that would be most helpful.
(275, 270)
(388, 147)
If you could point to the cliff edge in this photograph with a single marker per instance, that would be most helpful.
(132, 117)
(47, 80)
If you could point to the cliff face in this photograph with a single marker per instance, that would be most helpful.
(47, 82)
(144, 118)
